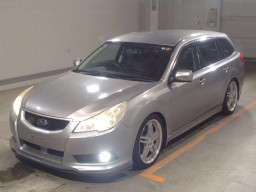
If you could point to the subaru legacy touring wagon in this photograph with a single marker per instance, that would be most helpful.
(122, 104)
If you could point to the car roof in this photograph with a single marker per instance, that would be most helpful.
(165, 37)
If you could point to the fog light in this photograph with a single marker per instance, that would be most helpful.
(104, 157)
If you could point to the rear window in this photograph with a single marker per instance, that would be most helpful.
(226, 47)
(208, 53)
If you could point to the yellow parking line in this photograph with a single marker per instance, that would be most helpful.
(149, 173)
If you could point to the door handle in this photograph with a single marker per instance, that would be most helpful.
(225, 69)
(202, 81)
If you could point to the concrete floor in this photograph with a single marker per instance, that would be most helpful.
(224, 161)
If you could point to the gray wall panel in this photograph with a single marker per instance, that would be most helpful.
(238, 20)
(37, 36)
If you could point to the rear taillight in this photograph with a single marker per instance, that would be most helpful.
(242, 57)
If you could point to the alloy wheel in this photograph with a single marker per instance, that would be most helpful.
(150, 141)
(232, 96)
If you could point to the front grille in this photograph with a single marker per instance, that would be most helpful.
(37, 147)
(45, 122)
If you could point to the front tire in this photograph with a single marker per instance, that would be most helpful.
(231, 98)
(148, 142)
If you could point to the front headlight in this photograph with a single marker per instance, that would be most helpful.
(18, 100)
(104, 121)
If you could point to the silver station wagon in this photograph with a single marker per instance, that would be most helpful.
(121, 105)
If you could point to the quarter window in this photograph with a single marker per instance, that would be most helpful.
(227, 48)
(208, 53)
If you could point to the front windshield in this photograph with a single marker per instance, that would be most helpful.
(132, 61)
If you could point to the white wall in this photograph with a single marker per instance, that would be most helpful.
(208, 5)
(153, 15)
(171, 14)
(43, 35)
(236, 18)
(166, 16)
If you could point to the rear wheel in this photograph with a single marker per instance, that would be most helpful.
(148, 142)
(231, 97)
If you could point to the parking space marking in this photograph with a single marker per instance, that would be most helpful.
(149, 173)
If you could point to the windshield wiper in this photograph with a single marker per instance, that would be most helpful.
(138, 79)
(95, 73)
(90, 72)
(115, 76)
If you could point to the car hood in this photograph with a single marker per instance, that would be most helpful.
(78, 96)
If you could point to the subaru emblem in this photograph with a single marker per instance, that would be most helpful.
(42, 122)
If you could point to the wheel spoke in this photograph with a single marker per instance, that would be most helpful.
(153, 150)
(145, 152)
(229, 102)
(233, 93)
(155, 135)
(150, 129)
(230, 95)
(143, 139)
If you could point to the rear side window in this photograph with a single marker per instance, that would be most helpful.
(208, 53)
(226, 47)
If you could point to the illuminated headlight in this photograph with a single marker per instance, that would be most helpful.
(18, 100)
(104, 121)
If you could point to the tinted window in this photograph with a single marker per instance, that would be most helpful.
(208, 53)
(227, 48)
(188, 59)
(132, 61)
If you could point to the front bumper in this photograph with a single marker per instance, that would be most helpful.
(120, 141)
(113, 168)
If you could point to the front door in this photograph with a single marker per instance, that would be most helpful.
(187, 98)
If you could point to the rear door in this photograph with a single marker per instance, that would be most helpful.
(228, 52)
(214, 73)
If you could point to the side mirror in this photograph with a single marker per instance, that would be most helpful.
(77, 62)
(183, 76)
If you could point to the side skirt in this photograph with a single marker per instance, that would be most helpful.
(194, 123)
